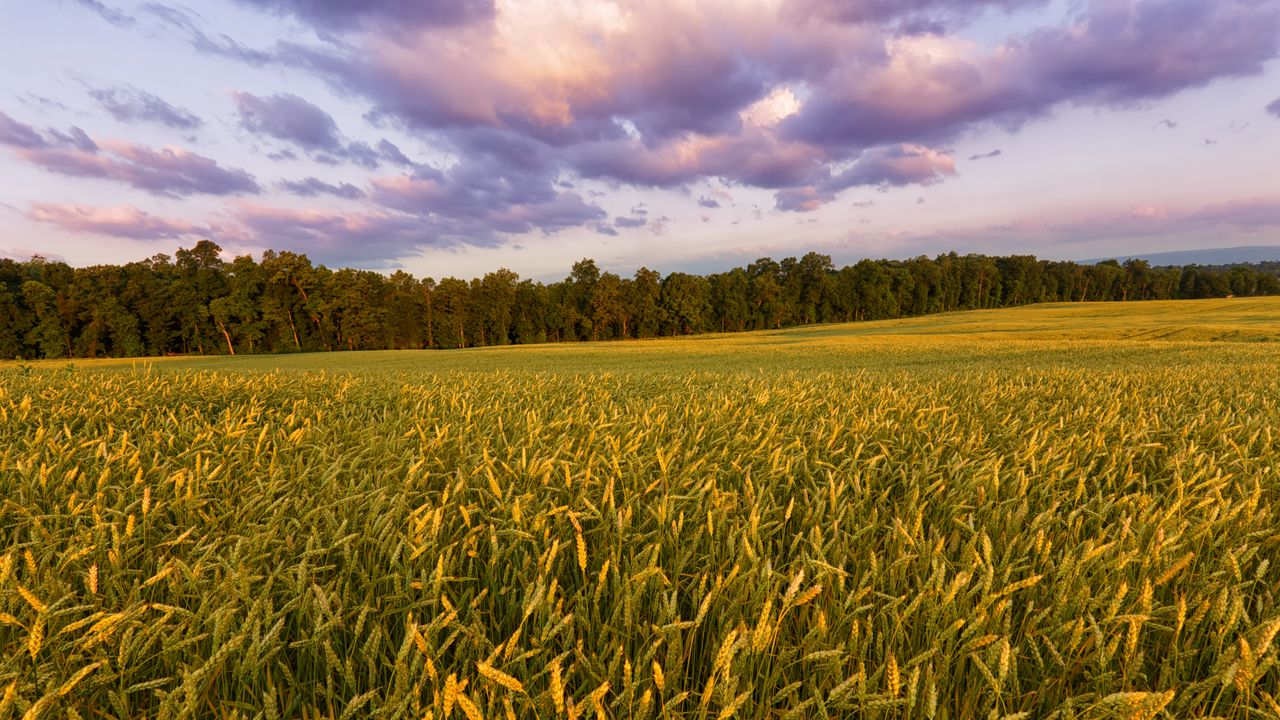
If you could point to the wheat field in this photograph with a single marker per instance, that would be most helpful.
(1050, 512)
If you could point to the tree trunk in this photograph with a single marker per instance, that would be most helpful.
(294, 328)
(230, 348)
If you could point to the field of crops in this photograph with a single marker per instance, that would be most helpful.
(1049, 512)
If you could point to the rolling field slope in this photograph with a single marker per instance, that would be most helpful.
(1055, 511)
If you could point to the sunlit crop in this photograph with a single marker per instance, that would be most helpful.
(826, 523)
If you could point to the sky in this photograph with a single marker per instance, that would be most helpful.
(454, 137)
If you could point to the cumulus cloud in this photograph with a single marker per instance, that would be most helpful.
(129, 104)
(169, 171)
(123, 221)
(668, 93)
(804, 98)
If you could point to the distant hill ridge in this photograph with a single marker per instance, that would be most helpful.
(1204, 256)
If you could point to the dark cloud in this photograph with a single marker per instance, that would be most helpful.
(129, 104)
(171, 172)
(1165, 123)
(986, 155)
(312, 187)
(708, 202)
(1274, 107)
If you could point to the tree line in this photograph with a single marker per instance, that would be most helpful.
(197, 303)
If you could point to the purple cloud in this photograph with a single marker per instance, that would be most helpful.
(1274, 107)
(805, 98)
(682, 95)
(337, 15)
(291, 119)
(170, 172)
(630, 222)
(312, 187)
(986, 155)
(1114, 53)
(129, 104)
(879, 11)
(15, 134)
(896, 166)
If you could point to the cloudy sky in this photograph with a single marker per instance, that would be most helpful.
(458, 136)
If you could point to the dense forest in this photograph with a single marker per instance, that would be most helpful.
(195, 302)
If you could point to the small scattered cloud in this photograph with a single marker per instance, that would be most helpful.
(1274, 107)
(1165, 123)
(630, 222)
(108, 13)
(129, 104)
(708, 202)
(312, 187)
(983, 156)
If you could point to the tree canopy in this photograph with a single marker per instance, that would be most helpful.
(197, 303)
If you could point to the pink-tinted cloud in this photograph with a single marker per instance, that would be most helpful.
(778, 95)
(123, 221)
(525, 100)
(895, 166)
(1113, 53)
(170, 171)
